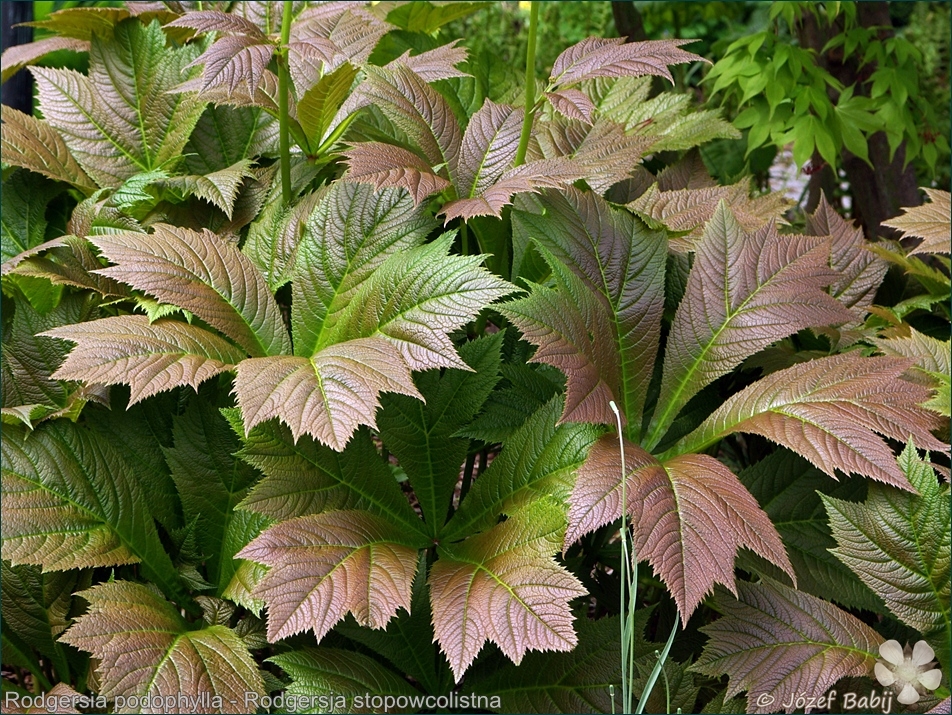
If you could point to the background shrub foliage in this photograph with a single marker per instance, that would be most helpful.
(315, 327)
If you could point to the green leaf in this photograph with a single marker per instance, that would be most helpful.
(787, 487)
(23, 203)
(122, 119)
(774, 641)
(36, 606)
(306, 477)
(29, 359)
(225, 135)
(572, 682)
(203, 274)
(346, 238)
(339, 680)
(319, 104)
(146, 649)
(212, 480)
(139, 433)
(621, 263)
(421, 433)
(415, 299)
(503, 585)
(219, 188)
(898, 544)
(539, 459)
(428, 17)
(94, 512)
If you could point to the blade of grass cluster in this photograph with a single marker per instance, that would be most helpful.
(629, 579)
(283, 89)
(530, 85)
(653, 677)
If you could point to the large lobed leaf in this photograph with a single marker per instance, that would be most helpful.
(932, 222)
(346, 237)
(146, 649)
(607, 341)
(828, 410)
(898, 544)
(778, 643)
(503, 585)
(326, 565)
(597, 57)
(327, 395)
(70, 501)
(150, 357)
(121, 119)
(744, 292)
(33, 144)
(690, 515)
(203, 274)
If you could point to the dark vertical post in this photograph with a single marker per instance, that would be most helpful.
(17, 92)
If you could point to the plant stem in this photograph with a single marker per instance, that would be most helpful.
(530, 84)
(653, 678)
(284, 88)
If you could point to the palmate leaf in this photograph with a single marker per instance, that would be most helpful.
(95, 513)
(339, 676)
(421, 434)
(306, 477)
(346, 238)
(603, 152)
(538, 459)
(146, 649)
(225, 135)
(428, 17)
(602, 326)
(788, 488)
(326, 395)
(898, 544)
(777, 643)
(36, 607)
(690, 515)
(386, 165)
(234, 60)
(597, 57)
(326, 565)
(931, 222)
(488, 147)
(17, 57)
(23, 205)
(415, 299)
(203, 274)
(828, 410)
(503, 585)
(33, 144)
(211, 480)
(745, 291)
(121, 120)
(688, 210)
(150, 357)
